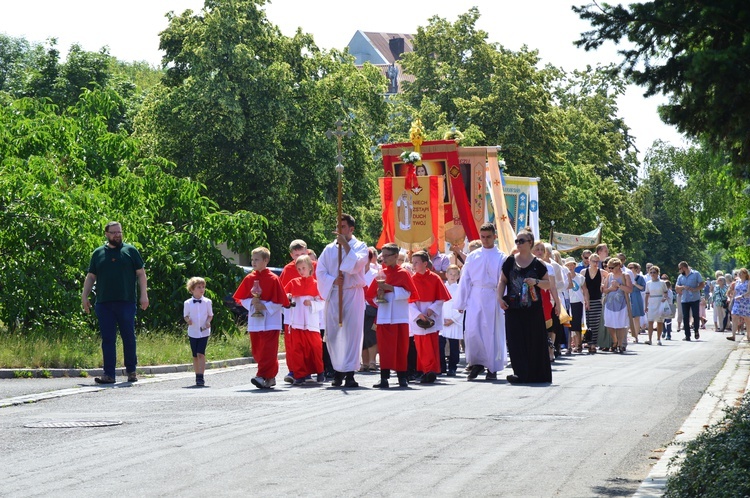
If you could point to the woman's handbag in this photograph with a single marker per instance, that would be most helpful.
(666, 310)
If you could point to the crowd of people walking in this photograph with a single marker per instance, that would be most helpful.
(413, 313)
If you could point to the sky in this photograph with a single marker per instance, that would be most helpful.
(131, 32)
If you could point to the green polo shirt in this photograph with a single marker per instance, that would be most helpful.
(115, 272)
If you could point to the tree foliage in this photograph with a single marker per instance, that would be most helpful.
(664, 202)
(462, 79)
(245, 109)
(713, 203)
(694, 52)
(562, 128)
(63, 175)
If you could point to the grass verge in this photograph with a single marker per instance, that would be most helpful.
(84, 351)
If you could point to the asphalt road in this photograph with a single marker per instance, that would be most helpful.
(595, 431)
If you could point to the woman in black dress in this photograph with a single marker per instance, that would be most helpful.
(592, 298)
(525, 331)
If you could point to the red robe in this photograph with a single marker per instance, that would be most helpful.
(270, 288)
(265, 346)
(430, 288)
(302, 286)
(288, 274)
(393, 339)
(397, 277)
(306, 347)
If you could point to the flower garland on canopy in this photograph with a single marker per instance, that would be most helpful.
(411, 158)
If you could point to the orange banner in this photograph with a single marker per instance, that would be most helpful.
(412, 218)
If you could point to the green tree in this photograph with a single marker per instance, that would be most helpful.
(717, 200)
(563, 128)
(244, 109)
(63, 175)
(672, 209)
(594, 132)
(493, 94)
(600, 160)
(15, 56)
(694, 52)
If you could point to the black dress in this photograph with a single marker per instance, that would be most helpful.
(525, 330)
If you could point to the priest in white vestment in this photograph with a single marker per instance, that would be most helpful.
(344, 343)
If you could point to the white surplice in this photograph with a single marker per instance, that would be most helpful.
(344, 343)
(484, 334)
(456, 329)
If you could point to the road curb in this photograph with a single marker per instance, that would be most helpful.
(12, 373)
(725, 391)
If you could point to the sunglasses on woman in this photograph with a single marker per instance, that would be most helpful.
(521, 241)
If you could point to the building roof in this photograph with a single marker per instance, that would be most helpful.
(383, 50)
(381, 42)
(377, 48)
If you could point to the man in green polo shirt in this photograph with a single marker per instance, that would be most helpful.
(114, 268)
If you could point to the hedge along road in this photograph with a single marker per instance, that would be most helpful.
(596, 430)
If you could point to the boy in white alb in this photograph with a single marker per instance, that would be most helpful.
(453, 329)
(198, 313)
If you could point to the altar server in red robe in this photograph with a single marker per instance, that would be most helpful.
(394, 293)
(297, 248)
(304, 322)
(429, 309)
(264, 315)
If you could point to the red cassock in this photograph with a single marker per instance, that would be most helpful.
(264, 346)
(270, 288)
(307, 346)
(288, 274)
(397, 277)
(430, 288)
(393, 335)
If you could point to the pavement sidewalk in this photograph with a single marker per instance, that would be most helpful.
(725, 391)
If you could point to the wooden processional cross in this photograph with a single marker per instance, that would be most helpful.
(340, 133)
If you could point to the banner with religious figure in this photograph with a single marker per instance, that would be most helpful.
(522, 200)
(412, 217)
(466, 193)
(438, 158)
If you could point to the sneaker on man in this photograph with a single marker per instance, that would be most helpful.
(258, 382)
(299, 382)
(104, 379)
(320, 378)
(269, 383)
(289, 378)
(132, 377)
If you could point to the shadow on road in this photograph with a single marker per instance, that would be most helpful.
(617, 486)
